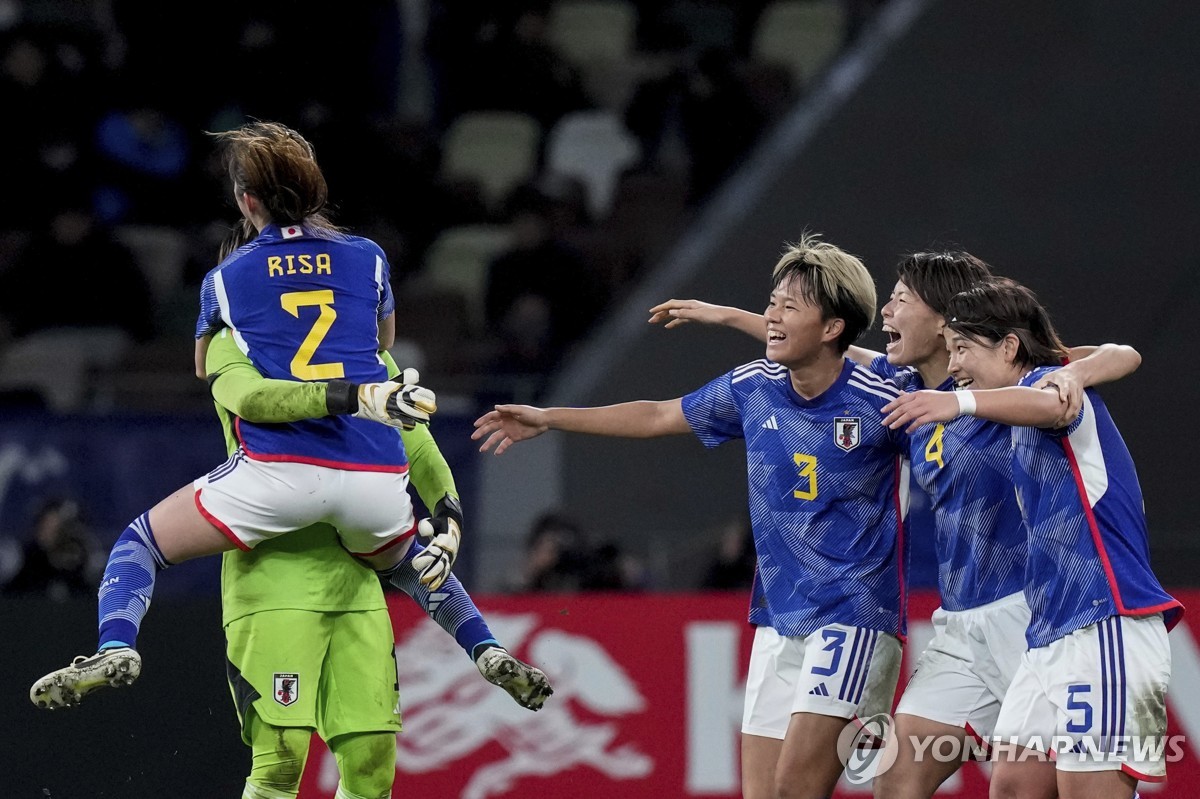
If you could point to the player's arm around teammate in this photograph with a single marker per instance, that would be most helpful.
(962, 676)
(827, 642)
(1097, 639)
(237, 386)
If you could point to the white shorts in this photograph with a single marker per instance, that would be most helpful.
(842, 671)
(962, 676)
(252, 501)
(1096, 699)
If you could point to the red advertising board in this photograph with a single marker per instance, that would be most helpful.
(647, 702)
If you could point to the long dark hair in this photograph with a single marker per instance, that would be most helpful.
(937, 276)
(992, 310)
(279, 167)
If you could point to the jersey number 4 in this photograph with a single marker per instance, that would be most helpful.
(933, 450)
(302, 366)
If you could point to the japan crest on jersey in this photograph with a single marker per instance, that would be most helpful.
(287, 688)
(846, 432)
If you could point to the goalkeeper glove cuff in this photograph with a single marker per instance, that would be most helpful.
(341, 397)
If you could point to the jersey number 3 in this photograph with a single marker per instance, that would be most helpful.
(808, 469)
(302, 366)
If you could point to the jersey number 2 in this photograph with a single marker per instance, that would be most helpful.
(302, 365)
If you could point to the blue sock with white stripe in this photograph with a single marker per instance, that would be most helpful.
(450, 606)
(128, 584)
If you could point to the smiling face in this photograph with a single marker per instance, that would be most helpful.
(983, 364)
(914, 329)
(796, 333)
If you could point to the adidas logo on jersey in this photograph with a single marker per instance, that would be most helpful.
(771, 424)
(820, 690)
(436, 599)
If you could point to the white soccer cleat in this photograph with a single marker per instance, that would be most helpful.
(524, 683)
(68, 686)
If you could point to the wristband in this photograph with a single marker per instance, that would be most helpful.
(341, 397)
(966, 403)
(449, 506)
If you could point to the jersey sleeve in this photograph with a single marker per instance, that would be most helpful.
(210, 320)
(428, 470)
(1036, 375)
(713, 413)
(383, 281)
(239, 388)
(880, 366)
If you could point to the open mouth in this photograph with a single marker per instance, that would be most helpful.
(962, 383)
(893, 337)
(775, 336)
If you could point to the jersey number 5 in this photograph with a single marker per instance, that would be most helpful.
(302, 366)
(808, 469)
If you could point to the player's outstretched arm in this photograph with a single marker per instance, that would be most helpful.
(1089, 366)
(508, 424)
(673, 313)
(1015, 405)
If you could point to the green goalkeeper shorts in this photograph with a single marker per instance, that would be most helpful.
(332, 672)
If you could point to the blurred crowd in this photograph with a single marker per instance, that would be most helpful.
(115, 208)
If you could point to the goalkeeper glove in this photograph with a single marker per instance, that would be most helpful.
(445, 527)
(402, 403)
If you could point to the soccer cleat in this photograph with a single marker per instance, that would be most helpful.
(67, 687)
(524, 683)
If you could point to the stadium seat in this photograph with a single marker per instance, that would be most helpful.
(161, 254)
(495, 149)
(799, 36)
(458, 259)
(596, 148)
(59, 362)
(587, 32)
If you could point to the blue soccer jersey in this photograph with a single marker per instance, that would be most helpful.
(1089, 556)
(306, 305)
(965, 468)
(828, 494)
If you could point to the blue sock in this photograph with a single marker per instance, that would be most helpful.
(128, 584)
(450, 606)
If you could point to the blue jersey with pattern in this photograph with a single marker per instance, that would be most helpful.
(828, 494)
(1089, 553)
(965, 468)
(305, 304)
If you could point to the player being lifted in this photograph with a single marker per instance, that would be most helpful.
(1092, 683)
(826, 484)
(965, 469)
(307, 302)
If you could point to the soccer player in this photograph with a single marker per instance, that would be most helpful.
(306, 301)
(300, 608)
(965, 469)
(826, 485)
(1089, 696)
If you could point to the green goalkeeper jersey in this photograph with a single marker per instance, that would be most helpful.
(307, 569)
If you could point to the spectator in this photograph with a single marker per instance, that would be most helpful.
(62, 559)
(608, 568)
(540, 293)
(555, 559)
(732, 567)
(56, 280)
